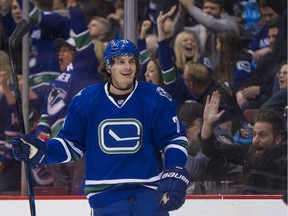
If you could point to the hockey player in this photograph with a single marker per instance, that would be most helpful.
(135, 147)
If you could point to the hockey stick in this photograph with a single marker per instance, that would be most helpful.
(21, 29)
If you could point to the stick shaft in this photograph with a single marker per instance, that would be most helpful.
(21, 29)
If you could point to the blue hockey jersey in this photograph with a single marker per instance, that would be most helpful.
(46, 26)
(83, 71)
(122, 143)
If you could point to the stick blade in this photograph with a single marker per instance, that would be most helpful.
(21, 29)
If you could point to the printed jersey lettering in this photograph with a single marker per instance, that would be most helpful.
(120, 136)
(264, 43)
(64, 77)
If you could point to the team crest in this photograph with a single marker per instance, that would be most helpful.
(162, 92)
(120, 136)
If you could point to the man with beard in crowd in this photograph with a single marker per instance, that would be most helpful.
(264, 160)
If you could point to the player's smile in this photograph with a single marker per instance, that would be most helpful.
(126, 74)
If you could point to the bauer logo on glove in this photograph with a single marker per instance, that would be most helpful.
(175, 175)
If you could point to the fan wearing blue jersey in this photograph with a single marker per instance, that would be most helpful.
(135, 147)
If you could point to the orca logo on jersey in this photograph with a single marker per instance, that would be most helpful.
(244, 65)
(55, 100)
(120, 136)
(162, 92)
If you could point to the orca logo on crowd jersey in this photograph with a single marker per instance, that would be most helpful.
(244, 65)
(55, 100)
(162, 92)
(120, 136)
(206, 61)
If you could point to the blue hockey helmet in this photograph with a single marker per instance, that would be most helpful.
(120, 47)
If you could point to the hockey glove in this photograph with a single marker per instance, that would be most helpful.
(172, 189)
(29, 148)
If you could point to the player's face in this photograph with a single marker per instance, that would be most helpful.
(123, 72)
(282, 76)
(16, 12)
(65, 56)
(152, 74)
(212, 9)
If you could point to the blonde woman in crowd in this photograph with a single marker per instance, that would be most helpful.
(185, 49)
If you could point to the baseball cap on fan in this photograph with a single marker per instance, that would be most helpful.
(190, 111)
(70, 42)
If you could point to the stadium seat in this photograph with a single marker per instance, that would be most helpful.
(249, 114)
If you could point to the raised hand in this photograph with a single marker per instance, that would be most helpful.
(211, 113)
(160, 22)
(146, 25)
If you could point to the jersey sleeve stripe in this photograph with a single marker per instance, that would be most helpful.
(119, 181)
(175, 146)
(63, 143)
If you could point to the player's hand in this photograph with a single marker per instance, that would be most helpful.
(29, 148)
(172, 189)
